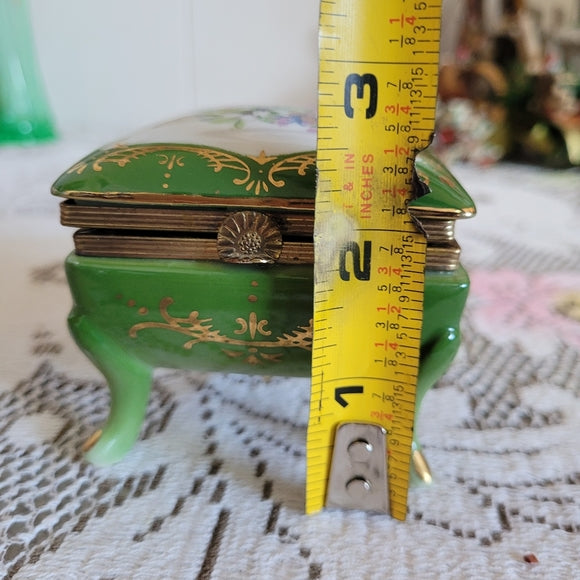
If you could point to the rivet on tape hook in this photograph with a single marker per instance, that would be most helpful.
(358, 472)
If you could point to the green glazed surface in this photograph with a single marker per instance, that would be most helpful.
(134, 174)
(133, 315)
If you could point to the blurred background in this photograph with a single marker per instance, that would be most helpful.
(110, 67)
(116, 66)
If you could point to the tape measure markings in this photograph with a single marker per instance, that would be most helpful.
(368, 310)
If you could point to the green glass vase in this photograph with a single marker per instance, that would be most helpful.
(24, 110)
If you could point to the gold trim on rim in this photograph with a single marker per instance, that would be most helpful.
(167, 219)
(112, 244)
(144, 198)
(119, 244)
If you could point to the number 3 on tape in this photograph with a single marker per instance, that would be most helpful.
(378, 71)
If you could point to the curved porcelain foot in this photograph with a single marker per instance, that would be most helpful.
(435, 359)
(129, 382)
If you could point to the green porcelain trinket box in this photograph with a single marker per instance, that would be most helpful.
(194, 250)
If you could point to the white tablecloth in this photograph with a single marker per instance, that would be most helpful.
(215, 486)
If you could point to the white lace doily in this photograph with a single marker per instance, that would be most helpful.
(215, 486)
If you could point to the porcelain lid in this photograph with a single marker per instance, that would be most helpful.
(242, 157)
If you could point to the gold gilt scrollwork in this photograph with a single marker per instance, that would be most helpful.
(298, 163)
(200, 330)
(265, 171)
(120, 155)
(171, 160)
(252, 325)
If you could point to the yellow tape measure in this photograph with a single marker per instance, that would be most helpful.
(378, 71)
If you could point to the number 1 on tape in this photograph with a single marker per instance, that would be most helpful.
(378, 71)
